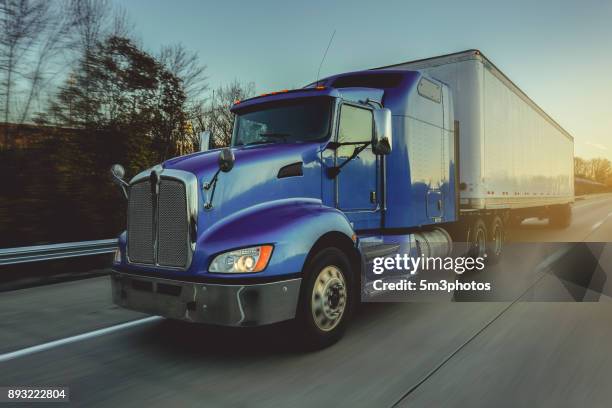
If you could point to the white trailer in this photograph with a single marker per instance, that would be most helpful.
(513, 156)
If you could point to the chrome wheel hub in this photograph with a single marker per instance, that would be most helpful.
(328, 301)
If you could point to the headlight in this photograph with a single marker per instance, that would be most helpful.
(117, 257)
(246, 260)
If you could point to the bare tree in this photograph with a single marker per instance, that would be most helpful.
(186, 66)
(34, 34)
(597, 169)
(218, 119)
(21, 25)
(601, 169)
(54, 35)
(122, 26)
(90, 20)
(581, 167)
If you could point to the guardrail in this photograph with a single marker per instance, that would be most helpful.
(10, 256)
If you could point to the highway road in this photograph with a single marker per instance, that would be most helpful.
(514, 352)
(592, 222)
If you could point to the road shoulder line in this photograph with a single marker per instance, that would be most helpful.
(72, 339)
(542, 266)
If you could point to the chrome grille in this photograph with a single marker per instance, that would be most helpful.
(158, 225)
(173, 229)
(140, 224)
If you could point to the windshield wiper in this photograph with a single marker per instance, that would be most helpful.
(257, 142)
(275, 135)
(271, 135)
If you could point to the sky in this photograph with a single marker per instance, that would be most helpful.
(558, 52)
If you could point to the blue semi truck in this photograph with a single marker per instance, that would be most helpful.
(319, 180)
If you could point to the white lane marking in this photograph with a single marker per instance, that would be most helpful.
(543, 265)
(591, 201)
(84, 336)
(600, 223)
(554, 257)
(107, 330)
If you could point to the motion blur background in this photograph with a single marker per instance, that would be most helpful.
(88, 83)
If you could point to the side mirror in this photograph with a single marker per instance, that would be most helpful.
(382, 139)
(226, 163)
(205, 140)
(226, 160)
(118, 172)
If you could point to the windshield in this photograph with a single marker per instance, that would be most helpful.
(292, 121)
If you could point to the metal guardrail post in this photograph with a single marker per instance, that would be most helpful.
(10, 256)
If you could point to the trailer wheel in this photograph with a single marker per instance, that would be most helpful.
(560, 216)
(477, 239)
(326, 299)
(497, 238)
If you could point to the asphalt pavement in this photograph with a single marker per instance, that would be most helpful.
(514, 352)
(591, 222)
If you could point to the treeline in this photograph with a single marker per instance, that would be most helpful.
(78, 92)
(597, 169)
(75, 64)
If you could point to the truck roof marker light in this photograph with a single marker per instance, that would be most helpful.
(265, 251)
(319, 87)
(274, 92)
(237, 101)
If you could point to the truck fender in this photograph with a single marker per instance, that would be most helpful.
(292, 225)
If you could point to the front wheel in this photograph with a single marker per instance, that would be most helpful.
(326, 299)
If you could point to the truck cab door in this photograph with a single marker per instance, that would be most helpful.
(357, 192)
(430, 148)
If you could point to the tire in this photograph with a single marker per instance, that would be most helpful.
(477, 239)
(560, 216)
(497, 239)
(326, 300)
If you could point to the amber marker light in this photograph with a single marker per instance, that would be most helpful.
(265, 252)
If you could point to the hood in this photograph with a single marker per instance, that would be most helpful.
(254, 178)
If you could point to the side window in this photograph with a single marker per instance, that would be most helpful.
(430, 90)
(356, 125)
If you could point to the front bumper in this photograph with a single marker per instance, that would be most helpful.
(226, 305)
